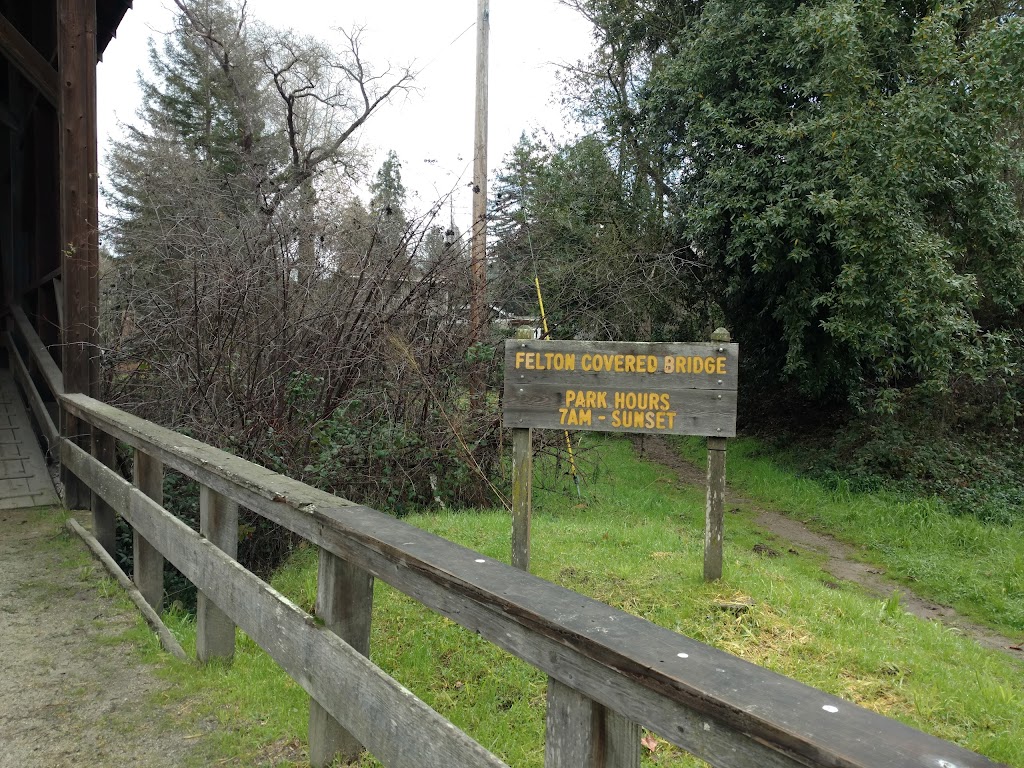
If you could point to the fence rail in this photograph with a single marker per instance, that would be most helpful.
(609, 672)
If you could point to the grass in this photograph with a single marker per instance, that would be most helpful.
(958, 560)
(635, 542)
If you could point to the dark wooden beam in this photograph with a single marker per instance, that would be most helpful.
(30, 62)
(79, 220)
(9, 119)
(79, 194)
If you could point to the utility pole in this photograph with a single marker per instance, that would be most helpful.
(478, 256)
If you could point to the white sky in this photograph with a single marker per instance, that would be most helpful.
(528, 39)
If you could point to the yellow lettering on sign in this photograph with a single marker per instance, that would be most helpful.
(646, 364)
(575, 417)
(648, 401)
(546, 361)
(585, 398)
(596, 363)
(637, 419)
(685, 364)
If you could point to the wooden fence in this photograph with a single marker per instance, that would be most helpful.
(609, 672)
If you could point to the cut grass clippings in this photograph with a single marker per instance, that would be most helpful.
(634, 541)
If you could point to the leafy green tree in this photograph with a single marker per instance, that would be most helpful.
(514, 217)
(190, 94)
(387, 192)
(846, 171)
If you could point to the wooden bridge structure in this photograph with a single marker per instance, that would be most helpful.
(610, 673)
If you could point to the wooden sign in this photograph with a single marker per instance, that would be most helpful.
(661, 387)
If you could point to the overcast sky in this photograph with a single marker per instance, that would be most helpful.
(432, 128)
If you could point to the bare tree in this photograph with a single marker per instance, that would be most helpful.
(256, 304)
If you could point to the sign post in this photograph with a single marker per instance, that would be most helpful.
(714, 513)
(522, 496)
(664, 388)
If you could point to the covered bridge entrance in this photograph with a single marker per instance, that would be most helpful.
(49, 232)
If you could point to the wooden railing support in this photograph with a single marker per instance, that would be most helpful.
(581, 733)
(104, 518)
(724, 710)
(344, 602)
(218, 522)
(148, 569)
(621, 741)
(76, 493)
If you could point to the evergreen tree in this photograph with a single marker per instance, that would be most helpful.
(593, 238)
(387, 205)
(192, 95)
(387, 193)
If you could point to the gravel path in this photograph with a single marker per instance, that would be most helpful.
(71, 693)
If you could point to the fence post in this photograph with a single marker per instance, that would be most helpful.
(580, 733)
(344, 602)
(104, 518)
(621, 741)
(148, 570)
(218, 522)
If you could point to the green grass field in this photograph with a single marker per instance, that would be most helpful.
(634, 540)
(976, 567)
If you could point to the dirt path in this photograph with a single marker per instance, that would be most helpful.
(840, 558)
(70, 692)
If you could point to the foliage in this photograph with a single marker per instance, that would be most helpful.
(969, 473)
(848, 174)
(590, 235)
(255, 303)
